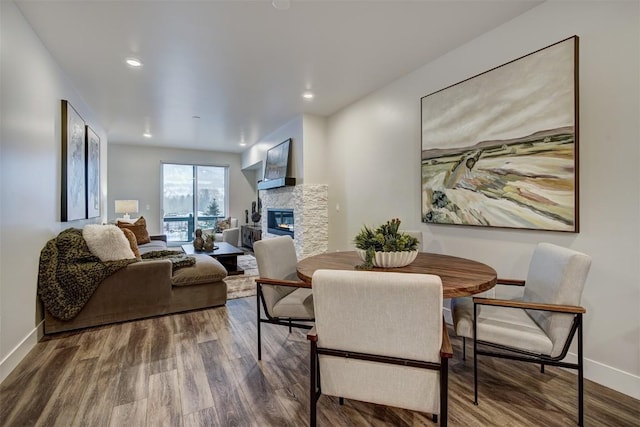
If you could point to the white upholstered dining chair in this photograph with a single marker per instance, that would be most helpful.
(379, 338)
(540, 326)
(284, 299)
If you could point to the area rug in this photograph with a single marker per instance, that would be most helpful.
(243, 285)
(248, 264)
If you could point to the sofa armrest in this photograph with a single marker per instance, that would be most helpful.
(231, 236)
(139, 290)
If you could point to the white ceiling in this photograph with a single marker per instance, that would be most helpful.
(243, 65)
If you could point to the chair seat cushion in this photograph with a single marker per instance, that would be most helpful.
(298, 304)
(512, 327)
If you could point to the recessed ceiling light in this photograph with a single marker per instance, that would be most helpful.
(307, 95)
(147, 135)
(133, 62)
(242, 144)
(195, 117)
(281, 4)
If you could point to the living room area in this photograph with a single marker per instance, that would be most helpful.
(356, 164)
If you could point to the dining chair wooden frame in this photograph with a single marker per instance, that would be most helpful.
(525, 356)
(283, 321)
(446, 352)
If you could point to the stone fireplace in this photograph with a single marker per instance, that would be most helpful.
(309, 204)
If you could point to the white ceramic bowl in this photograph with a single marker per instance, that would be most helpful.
(390, 259)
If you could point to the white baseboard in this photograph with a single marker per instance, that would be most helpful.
(16, 355)
(610, 377)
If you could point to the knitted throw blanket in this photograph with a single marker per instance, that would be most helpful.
(178, 258)
(69, 273)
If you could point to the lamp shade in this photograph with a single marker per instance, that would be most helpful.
(126, 206)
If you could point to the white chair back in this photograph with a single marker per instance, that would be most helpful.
(556, 276)
(276, 259)
(390, 314)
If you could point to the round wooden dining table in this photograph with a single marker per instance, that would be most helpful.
(460, 276)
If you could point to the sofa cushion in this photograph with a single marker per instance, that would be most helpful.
(139, 228)
(205, 270)
(107, 242)
(132, 241)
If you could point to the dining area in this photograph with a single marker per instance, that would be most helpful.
(377, 334)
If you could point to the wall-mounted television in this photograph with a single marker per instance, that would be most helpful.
(277, 167)
(277, 164)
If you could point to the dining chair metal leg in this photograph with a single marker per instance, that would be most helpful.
(313, 393)
(475, 355)
(464, 348)
(341, 401)
(580, 373)
(444, 392)
(258, 323)
(542, 368)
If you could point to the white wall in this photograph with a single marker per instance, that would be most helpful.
(258, 151)
(32, 86)
(308, 133)
(314, 146)
(374, 157)
(134, 173)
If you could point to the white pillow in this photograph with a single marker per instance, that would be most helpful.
(107, 242)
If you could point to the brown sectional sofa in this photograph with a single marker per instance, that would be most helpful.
(149, 288)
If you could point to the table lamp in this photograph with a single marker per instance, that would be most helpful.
(125, 207)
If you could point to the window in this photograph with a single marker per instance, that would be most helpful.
(193, 196)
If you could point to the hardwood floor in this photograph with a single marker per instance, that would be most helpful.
(200, 369)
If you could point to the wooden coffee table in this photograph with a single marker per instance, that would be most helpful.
(225, 253)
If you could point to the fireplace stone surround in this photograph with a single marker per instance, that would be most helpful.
(310, 213)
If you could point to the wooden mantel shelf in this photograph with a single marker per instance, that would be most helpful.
(276, 183)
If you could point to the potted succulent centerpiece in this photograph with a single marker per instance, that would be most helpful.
(385, 246)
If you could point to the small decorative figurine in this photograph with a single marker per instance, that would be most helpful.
(208, 244)
(198, 242)
(246, 216)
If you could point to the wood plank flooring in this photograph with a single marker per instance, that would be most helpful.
(200, 369)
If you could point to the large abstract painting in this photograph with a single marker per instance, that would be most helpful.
(93, 173)
(73, 165)
(501, 148)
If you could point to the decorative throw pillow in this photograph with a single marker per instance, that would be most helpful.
(139, 228)
(132, 241)
(107, 242)
(223, 225)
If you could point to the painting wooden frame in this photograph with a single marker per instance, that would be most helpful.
(500, 149)
(74, 196)
(93, 173)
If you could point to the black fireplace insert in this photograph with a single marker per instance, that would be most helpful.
(280, 221)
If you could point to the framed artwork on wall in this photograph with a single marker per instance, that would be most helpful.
(93, 173)
(500, 149)
(73, 206)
